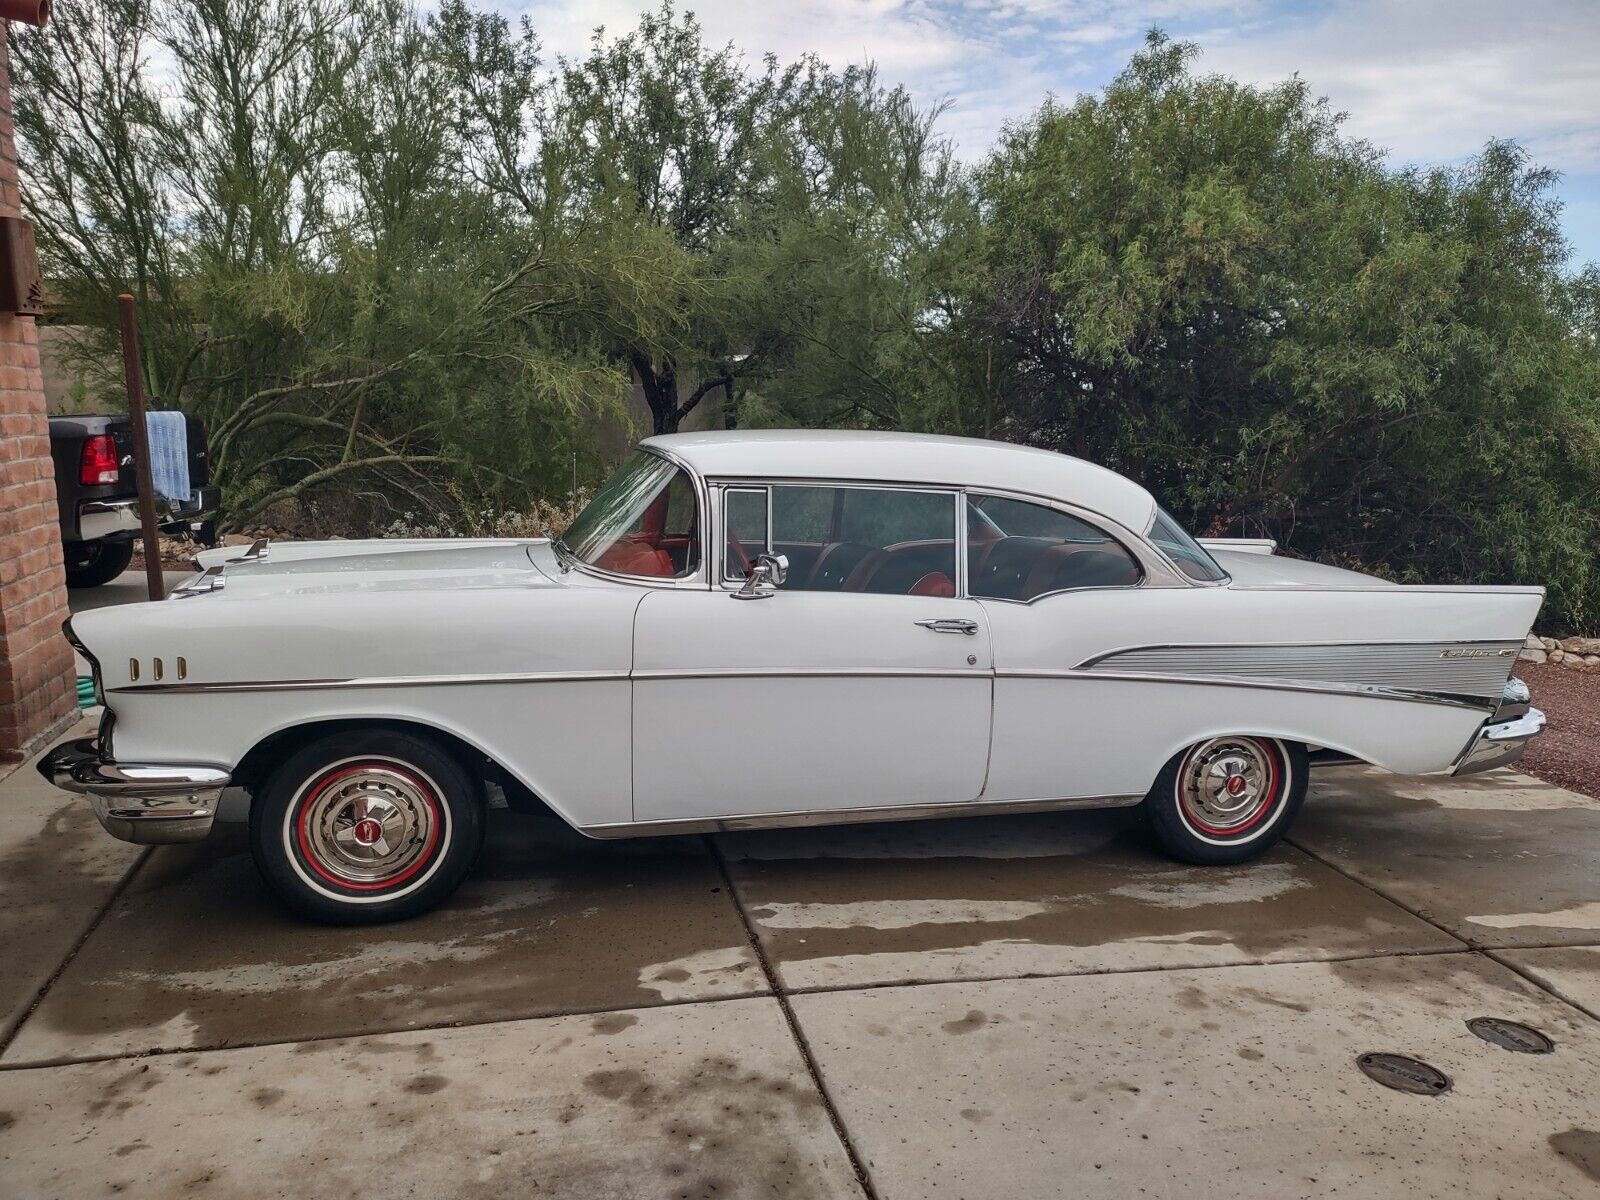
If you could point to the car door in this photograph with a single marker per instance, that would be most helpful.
(1053, 586)
(862, 682)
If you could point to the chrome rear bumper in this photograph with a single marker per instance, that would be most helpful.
(1501, 740)
(138, 802)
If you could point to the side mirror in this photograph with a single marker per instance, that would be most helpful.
(769, 572)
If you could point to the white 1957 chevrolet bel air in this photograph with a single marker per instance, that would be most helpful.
(777, 628)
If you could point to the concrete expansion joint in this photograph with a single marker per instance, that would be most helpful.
(1469, 945)
(802, 1046)
(9, 1035)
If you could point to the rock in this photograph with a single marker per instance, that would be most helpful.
(1557, 654)
(1550, 644)
(1533, 643)
(1592, 661)
(1575, 661)
(1534, 656)
(1581, 645)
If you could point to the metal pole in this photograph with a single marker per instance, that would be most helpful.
(134, 375)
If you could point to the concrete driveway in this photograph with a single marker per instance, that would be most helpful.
(1014, 1007)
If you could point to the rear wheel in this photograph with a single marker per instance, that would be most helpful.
(1227, 799)
(357, 828)
(90, 564)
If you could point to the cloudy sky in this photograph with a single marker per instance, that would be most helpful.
(1430, 80)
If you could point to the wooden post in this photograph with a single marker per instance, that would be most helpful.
(134, 375)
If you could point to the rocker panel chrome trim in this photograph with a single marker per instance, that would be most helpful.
(846, 816)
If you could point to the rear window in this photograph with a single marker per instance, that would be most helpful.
(1189, 555)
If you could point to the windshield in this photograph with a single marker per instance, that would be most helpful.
(1183, 550)
(644, 521)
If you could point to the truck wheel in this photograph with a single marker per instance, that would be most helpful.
(363, 827)
(89, 564)
(1227, 799)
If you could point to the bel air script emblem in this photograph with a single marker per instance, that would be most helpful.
(1475, 653)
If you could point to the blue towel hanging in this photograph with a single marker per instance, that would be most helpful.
(169, 454)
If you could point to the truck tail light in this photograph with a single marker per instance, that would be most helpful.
(99, 461)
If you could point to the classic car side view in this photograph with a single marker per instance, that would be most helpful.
(751, 629)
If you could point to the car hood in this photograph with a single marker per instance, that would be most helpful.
(322, 568)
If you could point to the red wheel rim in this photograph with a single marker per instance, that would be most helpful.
(1229, 786)
(368, 826)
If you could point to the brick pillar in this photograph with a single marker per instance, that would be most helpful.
(37, 690)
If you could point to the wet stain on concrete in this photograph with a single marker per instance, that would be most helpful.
(130, 1148)
(1417, 841)
(266, 1097)
(1249, 1055)
(57, 866)
(976, 1115)
(1276, 1001)
(973, 1020)
(822, 915)
(717, 1122)
(1581, 1148)
(614, 1022)
(196, 954)
(425, 1085)
(7, 1120)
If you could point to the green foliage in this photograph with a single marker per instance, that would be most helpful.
(406, 259)
(1204, 285)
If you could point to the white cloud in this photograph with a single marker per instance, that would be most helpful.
(1429, 80)
(1433, 80)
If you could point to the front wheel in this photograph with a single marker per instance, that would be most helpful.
(362, 827)
(1227, 799)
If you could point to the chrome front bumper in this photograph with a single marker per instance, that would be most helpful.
(1501, 740)
(138, 802)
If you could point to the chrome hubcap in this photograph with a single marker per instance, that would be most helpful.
(1226, 783)
(369, 825)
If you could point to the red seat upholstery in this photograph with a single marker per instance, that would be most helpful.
(934, 583)
(635, 558)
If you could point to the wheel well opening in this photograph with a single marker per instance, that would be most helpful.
(262, 758)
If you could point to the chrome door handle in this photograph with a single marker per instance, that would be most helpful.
(950, 625)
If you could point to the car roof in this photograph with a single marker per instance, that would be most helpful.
(910, 458)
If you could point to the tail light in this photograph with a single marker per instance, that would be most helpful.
(99, 461)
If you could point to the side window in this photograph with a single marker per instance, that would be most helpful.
(883, 541)
(1019, 551)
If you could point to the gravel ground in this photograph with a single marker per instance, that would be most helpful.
(1568, 752)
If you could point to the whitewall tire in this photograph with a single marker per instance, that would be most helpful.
(1227, 799)
(366, 826)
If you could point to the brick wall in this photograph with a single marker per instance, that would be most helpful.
(36, 666)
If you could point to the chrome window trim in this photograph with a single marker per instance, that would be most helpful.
(753, 483)
(1093, 519)
(796, 818)
(1155, 516)
(701, 576)
(1159, 571)
(722, 493)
